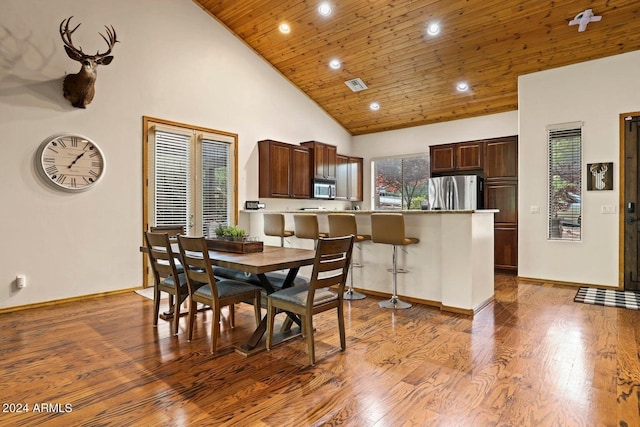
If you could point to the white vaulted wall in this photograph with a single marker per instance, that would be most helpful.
(173, 62)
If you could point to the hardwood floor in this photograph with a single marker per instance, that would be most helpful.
(531, 358)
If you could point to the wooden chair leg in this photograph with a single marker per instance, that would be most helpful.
(343, 339)
(308, 322)
(215, 328)
(232, 315)
(192, 315)
(270, 317)
(176, 315)
(156, 301)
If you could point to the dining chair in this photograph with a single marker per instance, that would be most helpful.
(166, 276)
(330, 268)
(204, 288)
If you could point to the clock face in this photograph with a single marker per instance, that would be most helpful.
(71, 162)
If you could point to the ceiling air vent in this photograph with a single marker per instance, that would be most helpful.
(356, 85)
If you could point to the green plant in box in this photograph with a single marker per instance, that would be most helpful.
(230, 232)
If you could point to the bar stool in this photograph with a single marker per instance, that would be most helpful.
(345, 225)
(389, 230)
(274, 226)
(307, 227)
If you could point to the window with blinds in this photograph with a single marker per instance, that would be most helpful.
(190, 177)
(216, 173)
(565, 181)
(171, 173)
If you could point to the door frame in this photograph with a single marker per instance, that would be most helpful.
(621, 195)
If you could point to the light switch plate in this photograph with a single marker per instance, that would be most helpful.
(607, 209)
(534, 209)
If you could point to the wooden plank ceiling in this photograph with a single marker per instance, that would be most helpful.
(413, 76)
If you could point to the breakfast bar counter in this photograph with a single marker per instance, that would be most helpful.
(451, 268)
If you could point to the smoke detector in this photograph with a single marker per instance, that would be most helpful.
(356, 84)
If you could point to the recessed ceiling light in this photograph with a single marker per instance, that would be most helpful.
(324, 9)
(335, 64)
(462, 87)
(284, 28)
(433, 29)
(374, 106)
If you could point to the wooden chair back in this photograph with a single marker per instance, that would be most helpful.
(330, 267)
(166, 275)
(197, 264)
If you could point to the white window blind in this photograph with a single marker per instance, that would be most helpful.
(565, 182)
(172, 183)
(216, 176)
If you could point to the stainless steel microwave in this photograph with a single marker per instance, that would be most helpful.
(324, 189)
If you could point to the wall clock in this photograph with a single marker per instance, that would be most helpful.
(70, 162)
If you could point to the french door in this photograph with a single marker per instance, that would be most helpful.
(189, 177)
(631, 197)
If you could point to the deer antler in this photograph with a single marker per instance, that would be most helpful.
(111, 32)
(65, 33)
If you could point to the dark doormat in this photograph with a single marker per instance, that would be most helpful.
(608, 297)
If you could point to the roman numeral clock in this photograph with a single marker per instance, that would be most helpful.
(70, 162)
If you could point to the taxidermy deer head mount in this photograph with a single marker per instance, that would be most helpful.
(79, 88)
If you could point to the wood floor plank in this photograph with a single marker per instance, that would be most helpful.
(531, 357)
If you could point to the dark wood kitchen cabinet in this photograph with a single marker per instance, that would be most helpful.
(283, 170)
(323, 159)
(459, 157)
(349, 178)
(501, 192)
(503, 195)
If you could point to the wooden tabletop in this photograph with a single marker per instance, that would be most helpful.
(270, 259)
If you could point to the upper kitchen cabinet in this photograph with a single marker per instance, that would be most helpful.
(501, 158)
(323, 159)
(284, 170)
(443, 158)
(349, 178)
(355, 179)
(460, 157)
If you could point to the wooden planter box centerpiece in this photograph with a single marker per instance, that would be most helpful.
(240, 246)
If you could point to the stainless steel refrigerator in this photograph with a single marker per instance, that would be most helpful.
(458, 192)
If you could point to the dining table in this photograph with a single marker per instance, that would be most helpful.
(270, 259)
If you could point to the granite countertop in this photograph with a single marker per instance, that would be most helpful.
(406, 212)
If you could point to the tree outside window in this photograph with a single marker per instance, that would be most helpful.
(400, 182)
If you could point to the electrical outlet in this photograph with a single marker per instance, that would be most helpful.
(21, 281)
(534, 209)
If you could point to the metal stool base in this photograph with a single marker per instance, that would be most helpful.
(350, 294)
(394, 303)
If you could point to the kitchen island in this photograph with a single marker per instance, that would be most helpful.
(451, 268)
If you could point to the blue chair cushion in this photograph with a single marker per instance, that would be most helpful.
(168, 281)
(227, 288)
(298, 295)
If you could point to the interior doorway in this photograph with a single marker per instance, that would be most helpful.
(631, 195)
